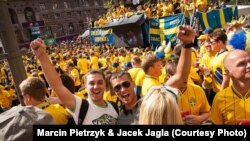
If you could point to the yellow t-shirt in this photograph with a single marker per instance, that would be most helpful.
(133, 72)
(194, 100)
(82, 94)
(59, 113)
(206, 60)
(229, 106)
(148, 82)
(139, 78)
(163, 75)
(94, 62)
(82, 64)
(108, 97)
(74, 74)
(194, 76)
(5, 99)
(139, 81)
(218, 70)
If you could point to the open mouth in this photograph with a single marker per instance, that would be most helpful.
(96, 92)
(125, 96)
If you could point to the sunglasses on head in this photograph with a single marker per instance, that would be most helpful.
(125, 84)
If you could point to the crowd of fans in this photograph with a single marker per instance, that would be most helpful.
(160, 9)
(208, 84)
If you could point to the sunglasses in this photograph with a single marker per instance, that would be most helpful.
(213, 41)
(125, 84)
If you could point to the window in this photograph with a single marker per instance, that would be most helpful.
(57, 15)
(79, 13)
(77, 2)
(81, 25)
(65, 4)
(98, 3)
(48, 32)
(29, 14)
(60, 30)
(71, 27)
(87, 12)
(42, 6)
(85, 3)
(45, 16)
(72, 4)
(69, 14)
(55, 6)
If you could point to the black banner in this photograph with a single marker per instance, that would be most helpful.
(128, 36)
(136, 132)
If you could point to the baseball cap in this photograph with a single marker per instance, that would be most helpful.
(202, 37)
(16, 123)
(208, 30)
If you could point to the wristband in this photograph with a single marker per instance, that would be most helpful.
(190, 45)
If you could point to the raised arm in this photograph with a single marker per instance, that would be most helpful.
(39, 49)
(186, 35)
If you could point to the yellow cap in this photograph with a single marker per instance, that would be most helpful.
(202, 37)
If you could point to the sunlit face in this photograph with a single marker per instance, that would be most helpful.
(240, 66)
(124, 91)
(158, 68)
(208, 46)
(95, 86)
(215, 45)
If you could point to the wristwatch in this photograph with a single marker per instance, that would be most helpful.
(190, 45)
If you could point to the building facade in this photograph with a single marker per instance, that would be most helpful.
(52, 18)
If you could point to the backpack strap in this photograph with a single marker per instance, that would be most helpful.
(71, 120)
(83, 111)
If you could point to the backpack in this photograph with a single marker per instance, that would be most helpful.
(84, 109)
(16, 123)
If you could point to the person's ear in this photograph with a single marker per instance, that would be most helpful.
(132, 83)
(28, 97)
(227, 72)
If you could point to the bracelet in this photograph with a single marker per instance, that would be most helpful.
(190, 45)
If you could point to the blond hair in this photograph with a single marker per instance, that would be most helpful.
(160, 107)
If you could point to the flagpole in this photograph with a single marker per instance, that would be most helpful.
(236, 5)
(193, 18)
(149, 33)
(183, 18)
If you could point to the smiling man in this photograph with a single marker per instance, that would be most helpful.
(123, 87)
(97, 110)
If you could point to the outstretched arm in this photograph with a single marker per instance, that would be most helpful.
(39, 49)
(186, 34)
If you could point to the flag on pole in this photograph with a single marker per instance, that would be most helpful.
(217, 18)
(164, 29)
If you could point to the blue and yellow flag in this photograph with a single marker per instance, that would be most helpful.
(164, 28)
(217, 18)
(101, 36)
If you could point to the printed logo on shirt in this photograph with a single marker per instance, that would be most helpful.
(105, 119)
(192, 102)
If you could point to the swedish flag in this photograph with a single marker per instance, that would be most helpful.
(217, 18)
(164, 29)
